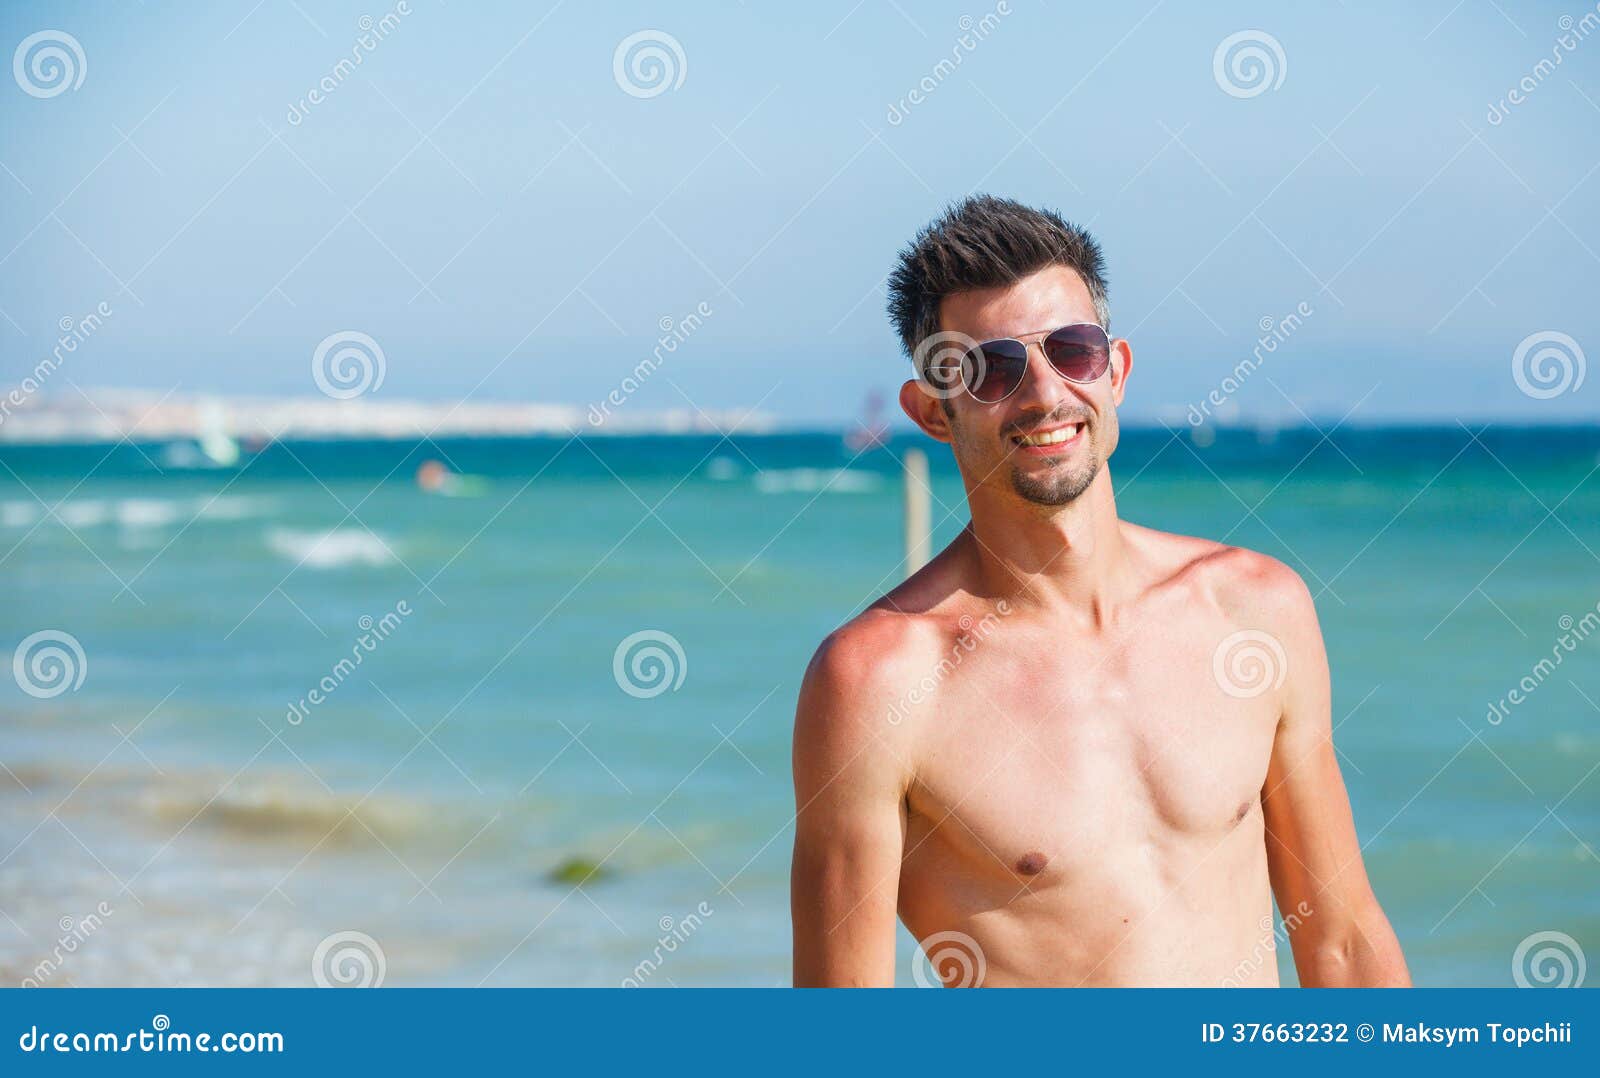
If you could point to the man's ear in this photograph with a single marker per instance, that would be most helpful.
(1121, 364)
(925, 410)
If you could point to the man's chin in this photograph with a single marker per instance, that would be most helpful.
(1056, 486)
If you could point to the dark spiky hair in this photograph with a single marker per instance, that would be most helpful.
(985, 242)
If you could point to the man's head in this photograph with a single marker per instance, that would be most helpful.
(991, 269)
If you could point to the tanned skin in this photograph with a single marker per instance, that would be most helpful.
(1028, 742)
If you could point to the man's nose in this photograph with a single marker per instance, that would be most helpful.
(1042, 388)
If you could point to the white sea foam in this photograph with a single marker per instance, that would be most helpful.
(83, 512)
(336, 549)
(234, 507)
(18, 514)
(817, 480)
(135, 513)
(146, 512)
(722, 468)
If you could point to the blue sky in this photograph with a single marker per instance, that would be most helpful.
(483, 198)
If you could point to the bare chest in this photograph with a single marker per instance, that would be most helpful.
(1037, 761)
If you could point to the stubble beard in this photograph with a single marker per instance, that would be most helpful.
(1061, 484)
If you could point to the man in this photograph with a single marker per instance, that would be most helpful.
(1070, 750)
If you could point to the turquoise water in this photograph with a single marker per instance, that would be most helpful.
(228, 841)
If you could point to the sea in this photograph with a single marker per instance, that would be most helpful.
(293, 719)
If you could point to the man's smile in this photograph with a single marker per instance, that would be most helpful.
(1050, 440)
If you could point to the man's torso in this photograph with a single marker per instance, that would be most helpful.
(1086, 799)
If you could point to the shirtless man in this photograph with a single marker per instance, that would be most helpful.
(1070, 750)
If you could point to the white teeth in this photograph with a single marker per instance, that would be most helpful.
(1055, 437)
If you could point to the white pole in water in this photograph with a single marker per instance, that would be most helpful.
(919, 512)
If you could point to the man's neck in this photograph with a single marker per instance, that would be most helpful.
(1072, 556)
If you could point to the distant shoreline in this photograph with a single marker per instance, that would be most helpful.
(112, 416)
(90, 439)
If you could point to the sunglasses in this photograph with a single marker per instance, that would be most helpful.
(994, 370)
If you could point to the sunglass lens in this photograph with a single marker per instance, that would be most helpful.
(993, 371)
(1079, 353)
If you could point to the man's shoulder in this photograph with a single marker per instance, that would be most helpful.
(875, 652)
(1243, 585)
(865, 678)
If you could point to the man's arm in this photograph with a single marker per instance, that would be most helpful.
(1342, 938)
(850, 787)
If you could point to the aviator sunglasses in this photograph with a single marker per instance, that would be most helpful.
(994, 370)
